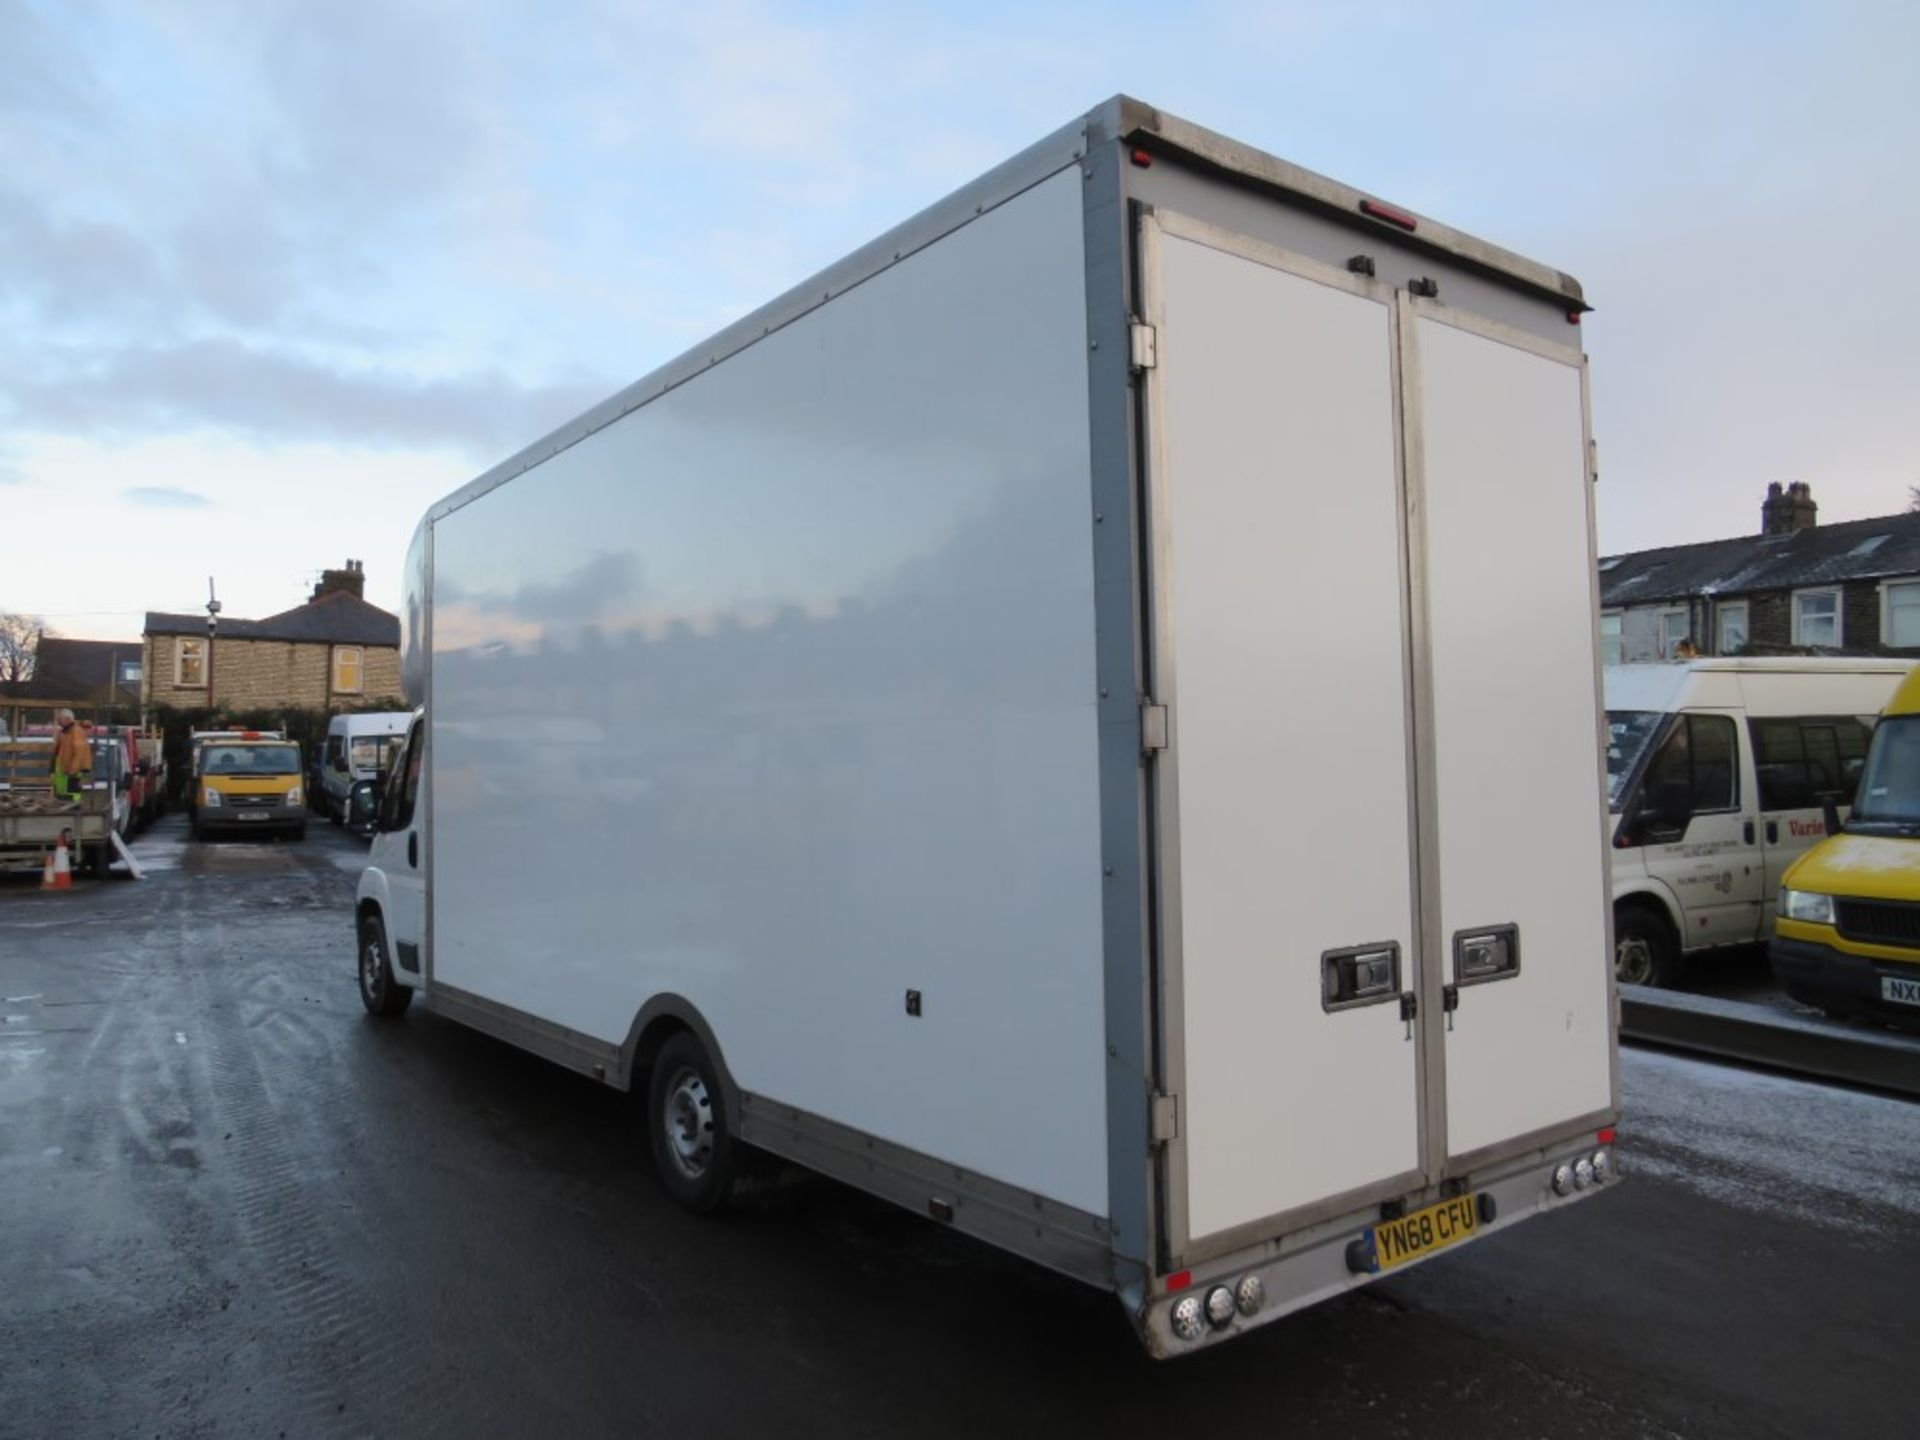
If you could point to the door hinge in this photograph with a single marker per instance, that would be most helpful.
(1145, 353)
(1449, 1002)
(1153, 728)
(1164, 1123)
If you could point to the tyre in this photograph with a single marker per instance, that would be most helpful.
(380, 990)
(1645, 949)
(694, 1156)
(100, 861)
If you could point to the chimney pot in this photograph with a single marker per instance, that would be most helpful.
(1788, 512)
(350, 577)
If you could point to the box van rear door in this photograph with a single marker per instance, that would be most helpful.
(1284, 798)
(1514, 864)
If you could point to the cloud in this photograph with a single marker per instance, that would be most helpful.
(165, 497)
(273, 396)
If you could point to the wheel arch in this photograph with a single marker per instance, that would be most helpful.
(666, 1015)
(1658, 897)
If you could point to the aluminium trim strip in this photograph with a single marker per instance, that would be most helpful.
(1428, 944)
(1058, 1236)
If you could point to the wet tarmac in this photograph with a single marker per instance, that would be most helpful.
(236, 1205)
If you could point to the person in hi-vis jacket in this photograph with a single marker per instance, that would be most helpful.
(72, 757)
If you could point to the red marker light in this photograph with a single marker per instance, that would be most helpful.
(1141, 157)
(1179, 1281)
(1389, 214)
(1573, 317)
(1606, 1136)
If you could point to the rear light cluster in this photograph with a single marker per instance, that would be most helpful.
(1587, 1171)
(1195, 1314)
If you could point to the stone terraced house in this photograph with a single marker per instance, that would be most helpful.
(336, 652)
(1797, 587)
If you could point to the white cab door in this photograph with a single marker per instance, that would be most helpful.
(1497, 461)
(400, 851)
(1284, 799)
(1714, 867)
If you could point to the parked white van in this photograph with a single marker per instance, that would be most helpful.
(359, 747)
(1718, 774)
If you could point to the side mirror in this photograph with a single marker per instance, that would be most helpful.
(1830, 812)
(126, 783)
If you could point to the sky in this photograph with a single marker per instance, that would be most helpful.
(275, 275)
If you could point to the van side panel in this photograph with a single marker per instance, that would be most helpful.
(778, 694)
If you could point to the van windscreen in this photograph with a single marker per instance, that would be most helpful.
(1628, 734)
(250, 760)
(368, 754)
(1889, 796)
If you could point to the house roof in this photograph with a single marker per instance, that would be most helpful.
(1824, 555)
(336, 618)
(74, 669)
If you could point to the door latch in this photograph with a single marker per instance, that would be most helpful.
(1409, 1010)
(1449, 1002)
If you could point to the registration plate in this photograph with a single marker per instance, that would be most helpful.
(1899, 990)
(254, 815)
(1412, 1237)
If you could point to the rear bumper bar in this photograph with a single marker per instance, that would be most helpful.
(1312, 1265)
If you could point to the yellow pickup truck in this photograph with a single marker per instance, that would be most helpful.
(247, 780)
(1847, 938)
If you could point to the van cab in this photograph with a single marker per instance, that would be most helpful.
(1847, 937)
(358, 748)
(1718, 775)
(248, 780)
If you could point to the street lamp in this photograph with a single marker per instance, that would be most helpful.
(213, 626)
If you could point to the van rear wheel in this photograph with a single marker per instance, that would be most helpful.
(1645, 951)
(693, 1153)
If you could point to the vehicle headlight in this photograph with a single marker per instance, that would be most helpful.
(210, 797)
(293, 796)
(1807, 906)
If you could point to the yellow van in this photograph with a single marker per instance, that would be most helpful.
(1847, 936)
(247, 780)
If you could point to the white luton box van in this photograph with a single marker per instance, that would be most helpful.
(1082, 719)
(1718, 775)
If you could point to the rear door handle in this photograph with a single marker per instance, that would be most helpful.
(1749, 832)
(413, 850)
(1773, 832)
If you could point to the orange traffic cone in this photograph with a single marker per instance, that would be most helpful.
(59, 872)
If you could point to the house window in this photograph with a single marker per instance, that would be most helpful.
(1675, 626)
(190, 665)
(1612, 647)
(129, 672)
(1732, 620)
(1900, 621)
(1816, 618)
(348, 665)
